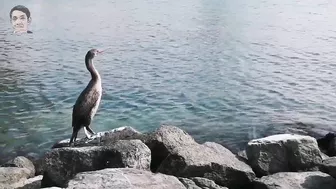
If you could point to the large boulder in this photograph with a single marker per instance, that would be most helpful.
(200, 183)
(32, 183)
(13, 177)
(61, 164)
(18, 173)
(103, 138)
(21, 162)
(327, 144)
(282, 153)
(124, 178)
(174, 152)
(292, 180)
(36, 159)
(329, 166)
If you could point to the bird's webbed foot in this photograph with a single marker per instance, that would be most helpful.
(72, 144)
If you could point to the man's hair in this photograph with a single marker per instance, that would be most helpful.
(20, 8)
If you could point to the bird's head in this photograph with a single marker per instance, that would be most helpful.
(92, 53)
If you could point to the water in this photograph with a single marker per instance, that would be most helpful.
(225, 71)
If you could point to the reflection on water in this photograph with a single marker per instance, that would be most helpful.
(225, 71)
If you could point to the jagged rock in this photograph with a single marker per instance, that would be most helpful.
(13, 177)
(332, 147)
(124, 178)
(292, 180)
(61, 164)
(324, 156)
(36, 159)
(282, 153)
(329, 166)
(164, 140)
(174, 152)
(21, 162)
(32, 183)
(200, 183)
(103, 138)
(327, 144)
(241, 155)
(39, 166)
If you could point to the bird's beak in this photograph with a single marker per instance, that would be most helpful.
(103, 50)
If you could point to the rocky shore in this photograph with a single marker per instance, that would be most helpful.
(169, 158)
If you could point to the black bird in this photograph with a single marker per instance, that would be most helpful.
(88, 101)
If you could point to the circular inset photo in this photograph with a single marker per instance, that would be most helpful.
(20, 18)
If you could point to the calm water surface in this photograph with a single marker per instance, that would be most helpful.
(225, 71)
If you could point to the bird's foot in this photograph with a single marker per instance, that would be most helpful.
(88, 137)
(72, 144)
(91, 137)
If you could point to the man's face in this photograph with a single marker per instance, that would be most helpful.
(19, 21)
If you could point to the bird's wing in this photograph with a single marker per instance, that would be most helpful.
(85, 103)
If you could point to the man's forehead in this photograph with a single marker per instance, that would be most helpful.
(18, 13)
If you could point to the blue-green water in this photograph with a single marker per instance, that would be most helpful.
(225, 71)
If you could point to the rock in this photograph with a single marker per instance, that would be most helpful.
(103, 138)
(13, 177)
(329, 166)
(39, 166)
(292, 180)
(32, 183)
(200, 183)
(332, 148)
(124, 178)
(21, 162)
(36, 159)
(61, 164)
(174, 152)
(164, 140)
(241, 155)
(324, 156)
(327, 144)
(282, 153)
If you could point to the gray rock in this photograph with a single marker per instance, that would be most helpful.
(36, 159)
(39, 166)
(21, 162)
(200, 183)
(124, 178)
(103, 138)
(329, 166)
(32, 183)
(242, 155)
(174, 152)
(324, 156)
(332, 147)
(13, 177)
(61, 164)
(282, 153)
(292, 180)
(327, 144)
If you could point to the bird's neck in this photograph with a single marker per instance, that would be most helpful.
(94, 73)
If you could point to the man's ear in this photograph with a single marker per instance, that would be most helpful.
(29, 20)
